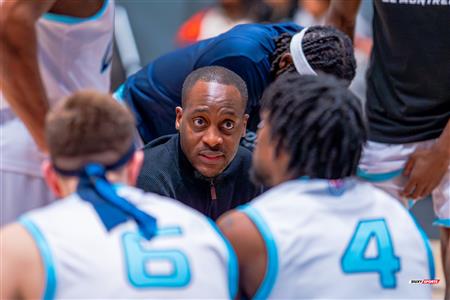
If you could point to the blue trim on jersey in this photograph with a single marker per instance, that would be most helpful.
(378, 177)
(75, 20)
(46, 255)
(427, 247)
(118, 94)
(442, 222)
(270, 277)
(411, 203)
(233, 266)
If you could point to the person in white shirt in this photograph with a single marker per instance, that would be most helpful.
(319, 233)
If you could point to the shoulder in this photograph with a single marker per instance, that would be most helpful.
(244, 155)
(19, 252)
(253, 42)
(159, 167)
(160, 153)
(160, 143)
(256, 31)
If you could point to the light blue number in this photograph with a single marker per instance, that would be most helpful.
(138, 258)
(386, 264)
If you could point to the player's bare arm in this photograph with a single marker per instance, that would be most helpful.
(250, 250)
(342, 14)
(426, 168)
(21, 270)
(18, 44)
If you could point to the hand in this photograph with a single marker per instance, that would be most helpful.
(425, 169)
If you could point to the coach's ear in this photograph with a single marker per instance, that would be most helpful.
(179, 112)
(51, 178)
(134, 167)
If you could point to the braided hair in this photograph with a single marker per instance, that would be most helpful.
(327, 50)
(318, 122)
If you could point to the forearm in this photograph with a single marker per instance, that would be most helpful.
(342, 15)
(20, 77)
(22, 86)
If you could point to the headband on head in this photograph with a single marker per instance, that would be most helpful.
(94, 187)
(301, 64)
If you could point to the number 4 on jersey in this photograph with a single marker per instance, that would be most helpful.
(386, 264)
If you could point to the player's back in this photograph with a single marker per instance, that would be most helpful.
(339, 239)
(187, 258)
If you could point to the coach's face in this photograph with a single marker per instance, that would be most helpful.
(211, 125)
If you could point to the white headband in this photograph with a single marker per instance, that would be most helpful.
(300, 62)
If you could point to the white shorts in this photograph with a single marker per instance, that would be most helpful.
(382, 164)
(21, 193)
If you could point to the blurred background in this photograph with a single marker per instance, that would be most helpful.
(146, 29)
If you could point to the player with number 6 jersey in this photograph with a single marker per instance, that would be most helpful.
(105, 239)
(88, 260)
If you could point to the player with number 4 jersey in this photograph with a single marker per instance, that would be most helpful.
(318, 233)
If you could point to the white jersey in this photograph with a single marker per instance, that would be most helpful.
(73, 54)
(188, 258)
(339, 240)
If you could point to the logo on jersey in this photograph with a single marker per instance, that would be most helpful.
(336, 187)
(107, 58)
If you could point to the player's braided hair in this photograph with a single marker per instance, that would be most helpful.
(318, 122)
(326, 49)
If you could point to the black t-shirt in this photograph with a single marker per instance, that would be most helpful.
(408, 82)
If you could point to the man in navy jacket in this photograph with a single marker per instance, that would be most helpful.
(257, 53)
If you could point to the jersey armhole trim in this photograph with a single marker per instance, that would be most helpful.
(270, 277)
(442, 222)
(46, 256)
(378, 177)
(427, 247)
(233, 267)
(70, 20)
(118, 94)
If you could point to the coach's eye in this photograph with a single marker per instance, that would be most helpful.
(199, 122)
(228, 125)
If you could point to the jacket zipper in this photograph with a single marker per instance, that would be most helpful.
(213, 193)
(212, 189)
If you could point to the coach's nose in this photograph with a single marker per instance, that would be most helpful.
(213, 137)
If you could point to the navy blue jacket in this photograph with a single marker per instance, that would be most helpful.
(155, 91)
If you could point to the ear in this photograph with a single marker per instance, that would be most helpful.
(179, 117)
(51, 178)
(244, 127)
(285, 61)
(134, 167)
